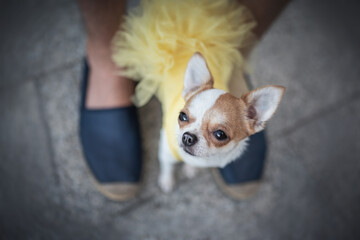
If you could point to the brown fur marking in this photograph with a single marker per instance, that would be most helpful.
(235, 124)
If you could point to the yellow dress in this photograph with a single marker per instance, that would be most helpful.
(158, 38)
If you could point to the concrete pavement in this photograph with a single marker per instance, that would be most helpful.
(311, 180)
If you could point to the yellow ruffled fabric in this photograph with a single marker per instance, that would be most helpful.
(158, 38)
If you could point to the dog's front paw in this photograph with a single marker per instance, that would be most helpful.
(166, 183)
(189, 171)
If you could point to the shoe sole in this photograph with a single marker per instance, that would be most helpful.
(239, 192)
(118, 192)
(128, 190)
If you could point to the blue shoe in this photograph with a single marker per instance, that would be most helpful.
(240, 179)
(111, 144)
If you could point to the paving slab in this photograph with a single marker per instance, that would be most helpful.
(313, 54)
(330, 150)
(38, 36)
(309, 190)
(28, 181)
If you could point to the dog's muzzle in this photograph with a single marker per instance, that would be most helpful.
(189, 139)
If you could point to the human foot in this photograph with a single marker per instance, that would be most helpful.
(112, 147)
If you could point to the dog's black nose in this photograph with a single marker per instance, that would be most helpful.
(189, 139)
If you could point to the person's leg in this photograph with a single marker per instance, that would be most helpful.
(106, 89)
(109, 127)
(265, 12)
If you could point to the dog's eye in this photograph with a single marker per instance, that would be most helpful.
(220, 135)
(183, 117)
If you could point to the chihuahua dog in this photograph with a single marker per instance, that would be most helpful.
(214, 126)
(160, 44)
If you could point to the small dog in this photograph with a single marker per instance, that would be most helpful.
(213, 127)
(160, 45)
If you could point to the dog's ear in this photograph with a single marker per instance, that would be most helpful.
(261, 105)
(197, 76)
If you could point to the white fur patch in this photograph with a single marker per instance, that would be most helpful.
(266, 101)
(196, 74)
(203, 102)
(166, 178)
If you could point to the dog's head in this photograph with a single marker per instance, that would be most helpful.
(214, 125)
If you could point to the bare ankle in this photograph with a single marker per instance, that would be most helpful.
(106, 89)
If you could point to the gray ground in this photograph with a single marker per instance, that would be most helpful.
(311, 188)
